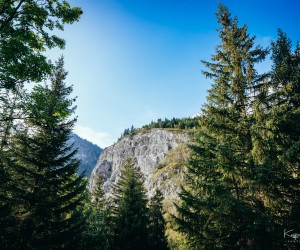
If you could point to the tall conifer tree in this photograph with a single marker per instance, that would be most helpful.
(221, 208)
(277, 138)
(157, 223)
(99, 233)
(25, 32)
(51, 192)
(130, 210)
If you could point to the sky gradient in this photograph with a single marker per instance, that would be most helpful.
(134, 61)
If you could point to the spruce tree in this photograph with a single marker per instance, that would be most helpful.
(45, 170)
(130, 213)
(278, 138)
(157, 224)
(25, 32)
(100, 221)
(220, 206)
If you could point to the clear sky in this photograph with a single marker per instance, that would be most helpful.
(134, 61)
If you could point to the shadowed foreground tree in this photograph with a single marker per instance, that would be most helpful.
(25, 33)
(130, 212)
(278, 138)
(157, 224)
(50, 193)
(99, 234)
(221, 204)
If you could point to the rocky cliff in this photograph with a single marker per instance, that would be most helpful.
(148, 151)
(88, 153)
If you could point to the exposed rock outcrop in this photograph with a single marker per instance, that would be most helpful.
(147, 151)
(88, 153)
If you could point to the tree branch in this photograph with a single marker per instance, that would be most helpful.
(12, 15)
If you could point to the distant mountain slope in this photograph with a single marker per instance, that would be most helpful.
(88, 153)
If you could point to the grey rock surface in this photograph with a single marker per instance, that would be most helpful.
(146, 149)
(88, 153)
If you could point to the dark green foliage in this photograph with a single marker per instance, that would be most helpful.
(50, 193)
(242, 185)
(157, 225)
(99, 233)
(10, 103)
(7, 220)
(130, 213)
(128, 131)
(25, 32)
(278, 137)
(180, 123)
(221, 206)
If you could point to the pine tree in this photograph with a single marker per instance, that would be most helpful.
(100, 229)
(130, 213)
(221, 207)
(25, 32)
(45, 170)
(278, 137)
(157, 224)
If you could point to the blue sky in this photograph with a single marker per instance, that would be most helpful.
(134, 61)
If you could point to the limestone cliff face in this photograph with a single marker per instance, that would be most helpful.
(88, 153)
(147, 151)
